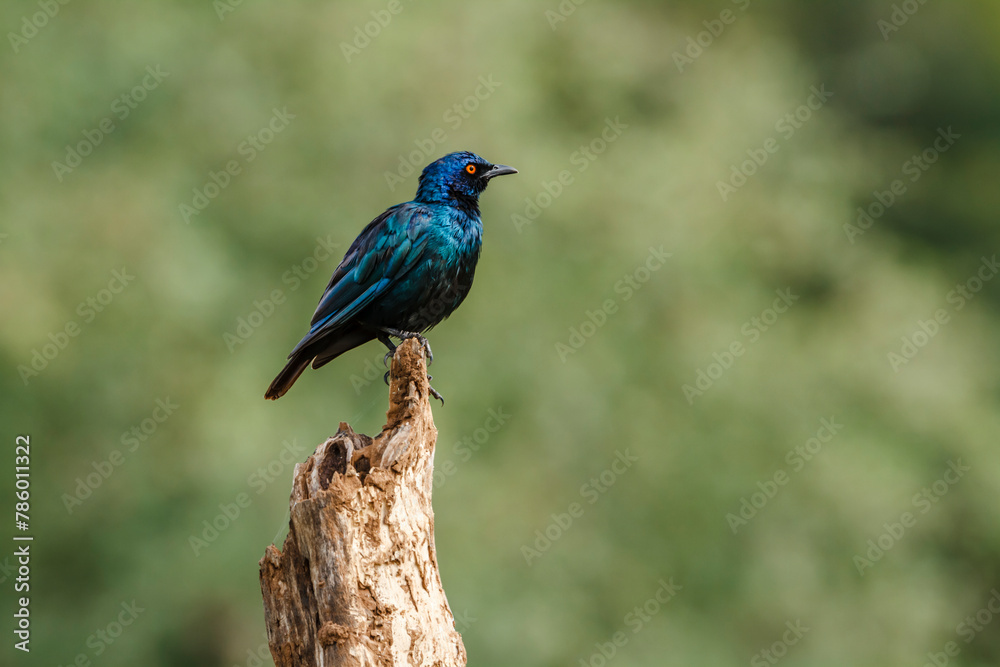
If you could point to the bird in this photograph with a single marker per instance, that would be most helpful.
(407, 271)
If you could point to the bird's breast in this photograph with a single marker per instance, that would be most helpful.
(445, 282)
(437, 285)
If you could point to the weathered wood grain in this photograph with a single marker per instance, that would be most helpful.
(356, 582)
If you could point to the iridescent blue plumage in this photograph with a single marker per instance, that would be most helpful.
(409, 269)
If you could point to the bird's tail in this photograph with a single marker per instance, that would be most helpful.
(287, 377)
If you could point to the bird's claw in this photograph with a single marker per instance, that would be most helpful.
(383, 336)
(427, 349)
(434, 392)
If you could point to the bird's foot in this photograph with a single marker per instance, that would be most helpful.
(383, 338)
(434, 392)
(427, 349)
(403, 335)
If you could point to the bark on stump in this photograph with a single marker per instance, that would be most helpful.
(356, 582)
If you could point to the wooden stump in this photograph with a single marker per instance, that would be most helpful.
(356, 582)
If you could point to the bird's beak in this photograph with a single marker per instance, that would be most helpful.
(499, 170)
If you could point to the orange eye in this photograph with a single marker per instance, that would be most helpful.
(470, 169)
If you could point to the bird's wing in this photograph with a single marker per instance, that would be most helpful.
(384, 251)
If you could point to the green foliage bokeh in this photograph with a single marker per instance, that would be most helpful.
(546, 88)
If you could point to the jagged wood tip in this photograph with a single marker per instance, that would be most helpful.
(356, 582)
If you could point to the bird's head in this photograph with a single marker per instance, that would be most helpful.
(458, 176)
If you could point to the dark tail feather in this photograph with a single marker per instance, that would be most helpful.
(347, 340)
(287, 377)
(317, 353)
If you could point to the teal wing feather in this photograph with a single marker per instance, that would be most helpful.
(384, 252)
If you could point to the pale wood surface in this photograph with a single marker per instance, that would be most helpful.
(356, 582)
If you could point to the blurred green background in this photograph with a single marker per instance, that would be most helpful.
(162, 95)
